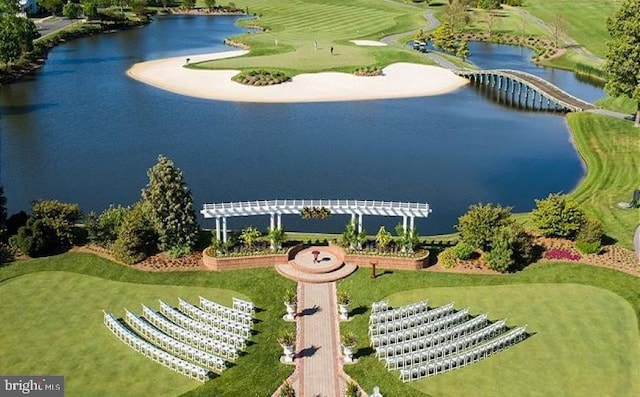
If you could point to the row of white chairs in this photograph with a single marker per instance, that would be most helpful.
(398, 313)
(205, 343)
(380, 306)
(422, 333)
(442, 349)
(189, 323)
(408, 322)
(225, 312)
(172, 345)
(228, 325)
(467, 357)
(244, 306)
(152, 352)
(424, 325)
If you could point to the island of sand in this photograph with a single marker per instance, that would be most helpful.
(399, 80)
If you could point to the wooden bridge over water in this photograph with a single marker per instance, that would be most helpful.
(525, 90)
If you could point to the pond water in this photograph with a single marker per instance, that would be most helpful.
(81, 131)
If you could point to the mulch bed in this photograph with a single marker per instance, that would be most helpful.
(611, 256)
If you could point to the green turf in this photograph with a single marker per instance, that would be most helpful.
(610, 149)
(557, 305)
(619, 104)
(60, 312)
(585, 341)
(296, 25)
(585, 19)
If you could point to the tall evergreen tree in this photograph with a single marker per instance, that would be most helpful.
(623, 58)
(170, 206)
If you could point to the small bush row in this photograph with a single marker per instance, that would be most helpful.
(261, 78)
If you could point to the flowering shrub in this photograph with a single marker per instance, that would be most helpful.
(562, 254)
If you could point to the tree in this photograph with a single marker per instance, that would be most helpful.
(170, 206)
(16, 33)
(36, 238)
(210, 4)
(136, 236)
(558, 216)
(249, 236)
(188, 4)
(463, 50)
(90, 8)
(72, 10)
(60, 217)
(623, 57)
(500, 257)
(383, 238)
(489, 19)
(478, 226)
(558, 27)
(103, 229)
(488, 4)
(444, 38)
(50, 5)
(455, 15)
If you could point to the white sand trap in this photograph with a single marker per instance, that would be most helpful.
(368, 43)
(400, 80)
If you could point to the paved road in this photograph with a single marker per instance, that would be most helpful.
(432, 24)
(52, 24)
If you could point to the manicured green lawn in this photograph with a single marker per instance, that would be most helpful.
(52, 323)
(296, 25)
(611, 151)
(585, 19)
(584, 322)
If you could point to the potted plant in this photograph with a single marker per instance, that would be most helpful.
(287, 390)
(349, 341)
(287, 341)
(290, 301)
(343, 305)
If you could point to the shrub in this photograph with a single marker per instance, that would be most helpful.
(6, 253)
(588, 248)
(478, 226)
(287, 390)
(36, 238)
(136, 237)
(558, 216)
(500, 257)
(16, 221)
(61, 217)
(103, 229)
(590, 232)
(463, 251)
(72, 10)
(448, 258)
(352, 390)
(179, 252)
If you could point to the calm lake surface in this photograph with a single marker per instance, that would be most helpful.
(81, 131)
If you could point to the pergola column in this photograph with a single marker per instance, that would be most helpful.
(411, 222)
(353, 217)
(271, 221)
(218, 228)
(224, 229)
(404, 223)
(279, 220)
(359, 223)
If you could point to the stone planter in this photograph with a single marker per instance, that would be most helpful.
(287, 353)
(291, 311)
(344, 311)
(347, 352)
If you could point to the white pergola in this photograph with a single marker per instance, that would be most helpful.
(276, 208)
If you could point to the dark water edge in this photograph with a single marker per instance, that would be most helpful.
(81, 131)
